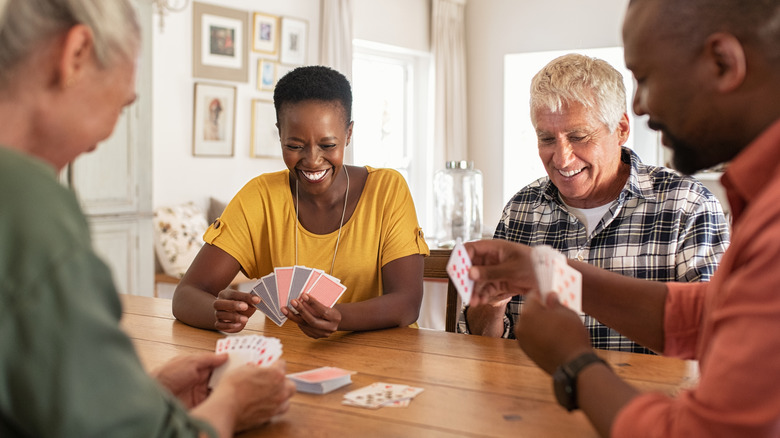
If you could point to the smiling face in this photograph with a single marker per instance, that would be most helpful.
(580, 155)
(314, 135)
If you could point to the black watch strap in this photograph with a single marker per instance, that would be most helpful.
(565, 379)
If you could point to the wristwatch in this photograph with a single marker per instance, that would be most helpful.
(565, 379)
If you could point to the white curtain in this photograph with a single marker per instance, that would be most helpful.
(336, 38)
(448, 40)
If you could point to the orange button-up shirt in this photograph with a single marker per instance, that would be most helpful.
(731, 324)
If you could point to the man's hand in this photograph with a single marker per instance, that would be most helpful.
(550, 333)
(500, 270)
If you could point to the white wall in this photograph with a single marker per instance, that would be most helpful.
(178, 176)
(495, 28)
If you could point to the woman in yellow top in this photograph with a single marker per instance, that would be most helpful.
(355, 223)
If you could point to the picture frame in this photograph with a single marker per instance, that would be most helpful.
(265, 135)
(214, 120)
(265, 33)
(266, 75)
(294, 41)
(219, 43)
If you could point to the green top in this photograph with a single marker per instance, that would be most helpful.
(66, 369)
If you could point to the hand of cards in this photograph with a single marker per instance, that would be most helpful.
(377, 395)
(553, 274)
(284, 284)
(245, 349)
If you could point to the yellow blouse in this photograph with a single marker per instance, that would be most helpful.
(257, 228)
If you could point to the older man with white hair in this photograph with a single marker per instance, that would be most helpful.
(599, 203)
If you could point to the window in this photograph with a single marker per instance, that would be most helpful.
(391, 113)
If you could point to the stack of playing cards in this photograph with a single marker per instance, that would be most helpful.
(284, 284)
(458, 270)
(245, 349)
(553, 274)
(377, 395)
(321, 380)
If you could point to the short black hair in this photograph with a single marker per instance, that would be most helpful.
(314, 82)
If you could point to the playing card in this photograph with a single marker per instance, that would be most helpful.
(327, 290)
(245, 349)
(458, 270)
(283, 280)
(315, 274)
(553, 274)
(269, 281)
(380, 394)
(300, 276)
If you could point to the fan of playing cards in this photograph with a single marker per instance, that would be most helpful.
(246, 349)
(553, 274)
(284, 284)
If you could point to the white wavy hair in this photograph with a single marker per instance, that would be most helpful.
(592, 82)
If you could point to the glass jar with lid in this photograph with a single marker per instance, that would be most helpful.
(457, 194)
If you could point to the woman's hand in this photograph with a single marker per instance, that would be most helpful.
(232, 310)
(314, 318)
(187, 376)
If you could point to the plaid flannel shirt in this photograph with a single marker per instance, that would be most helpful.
(662, 227)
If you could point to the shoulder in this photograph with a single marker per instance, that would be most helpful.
(668, 181)
(533, 193)
(385, 179)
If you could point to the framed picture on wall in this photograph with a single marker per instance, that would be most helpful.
(265, 136)
(266, 75)
(219, 43)
(294, 40)
(265, 33)
(214, 119)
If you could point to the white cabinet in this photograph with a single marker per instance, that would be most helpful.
(114, 184)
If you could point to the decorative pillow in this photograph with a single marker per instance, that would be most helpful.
(178, 236)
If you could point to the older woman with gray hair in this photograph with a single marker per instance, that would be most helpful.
(67, 69)
(599, 203)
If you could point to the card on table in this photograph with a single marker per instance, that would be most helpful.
(379, 394)
(245, 349)
(321, 380)
(458, 270)
(553, 274)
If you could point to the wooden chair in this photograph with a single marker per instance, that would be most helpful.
(436, 268)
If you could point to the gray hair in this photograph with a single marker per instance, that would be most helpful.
(578, 78)
(26, 23)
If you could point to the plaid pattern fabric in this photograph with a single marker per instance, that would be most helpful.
(662, 227)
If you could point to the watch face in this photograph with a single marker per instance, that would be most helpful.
(564, 390)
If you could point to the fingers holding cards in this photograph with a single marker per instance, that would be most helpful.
(553, 274)
(278, 289)
(241, 350)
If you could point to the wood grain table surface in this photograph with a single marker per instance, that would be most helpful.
(473, 386)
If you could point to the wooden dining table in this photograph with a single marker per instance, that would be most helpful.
(473, 386)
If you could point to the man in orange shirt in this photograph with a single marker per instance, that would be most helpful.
(708, 76)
